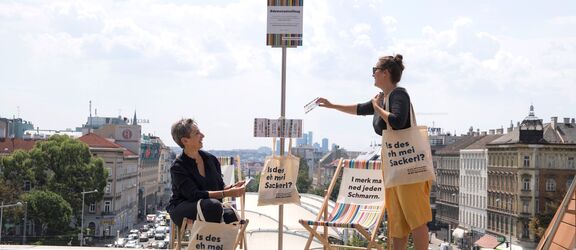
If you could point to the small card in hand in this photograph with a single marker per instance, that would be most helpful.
(311, 105)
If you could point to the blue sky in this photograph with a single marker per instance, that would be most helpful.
(479, 63)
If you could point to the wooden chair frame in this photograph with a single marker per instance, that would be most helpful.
(323, 238)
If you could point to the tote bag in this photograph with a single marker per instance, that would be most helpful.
(406, 155)
(278, 180)
(209, 235)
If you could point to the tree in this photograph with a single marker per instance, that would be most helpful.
(303, 183)
(62, 165)
(539, 224)
(71, 169)
(16, 168)
(49, 210)
(254, 184)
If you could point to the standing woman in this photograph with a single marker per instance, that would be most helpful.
(196, 176)
(408, 206)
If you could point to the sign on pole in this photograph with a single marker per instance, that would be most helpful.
(284, 26)
(280, 128)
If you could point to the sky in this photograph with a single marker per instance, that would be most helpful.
(477, 64)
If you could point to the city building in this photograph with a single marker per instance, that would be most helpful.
(14, 128)
(473, 187)
(529, 172)
(327, 166)
(324, 145)
(150, 165)
(447, 165)
(164, 179)
(117, 211)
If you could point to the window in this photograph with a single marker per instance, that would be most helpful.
(108, 187)
(107, 205)
(526, 184)
(27, 186)
(526, 161)
(550, 185)
(92, 208)
(525, 206)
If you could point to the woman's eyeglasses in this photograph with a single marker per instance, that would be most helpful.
(376, 68)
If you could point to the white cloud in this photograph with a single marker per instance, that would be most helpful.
(563, 20)
(210, 61)
(390, 24)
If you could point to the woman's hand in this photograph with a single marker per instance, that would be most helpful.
(235, 191)
(239, 184)
(377, 100)
(323, 102)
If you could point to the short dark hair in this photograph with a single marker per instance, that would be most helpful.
(394, 65)
(182, 129)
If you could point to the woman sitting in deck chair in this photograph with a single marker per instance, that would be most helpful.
(196, 175)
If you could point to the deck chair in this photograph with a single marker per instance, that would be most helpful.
(229, 165)
(360, 204)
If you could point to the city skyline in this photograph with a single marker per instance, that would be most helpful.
(479, 64)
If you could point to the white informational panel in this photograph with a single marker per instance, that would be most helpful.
(280, 128)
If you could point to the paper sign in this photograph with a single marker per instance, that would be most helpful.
(361, 186)
(281, 128)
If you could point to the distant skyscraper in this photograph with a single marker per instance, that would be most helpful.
(305, 139)
(324, 144)
(277, 146)
(310, 138)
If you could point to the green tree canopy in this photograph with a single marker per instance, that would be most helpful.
(61, 164)
(71, 169)
(49, 210)
(16, 168)
(304, 182)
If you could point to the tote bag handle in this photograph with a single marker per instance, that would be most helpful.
(412, 115)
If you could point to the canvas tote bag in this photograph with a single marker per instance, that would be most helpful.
(278, 180)
(406, 155)
(209, 235)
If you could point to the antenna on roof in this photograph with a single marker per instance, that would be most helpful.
(90, 118)
(18, 111)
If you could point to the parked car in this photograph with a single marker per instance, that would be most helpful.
(163, 245)
(150, 217)
(131, 244)
(159, 236)
(120, 242)
(133, 236)
(150, 233)
(143, 237)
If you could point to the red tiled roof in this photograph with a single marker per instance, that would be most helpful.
(129, 153)
(7, 146)
(96, 141)
(561, 233)
(487, 241)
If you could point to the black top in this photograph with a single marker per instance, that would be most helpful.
(399, 111)
(188, 184)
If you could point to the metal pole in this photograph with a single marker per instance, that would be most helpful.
(25, 223)
(1, 214)
(449, 234)
(282, 116)
(82, 220)
(82, 223)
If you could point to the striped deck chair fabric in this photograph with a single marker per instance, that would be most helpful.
(356, 208)
(227, 166)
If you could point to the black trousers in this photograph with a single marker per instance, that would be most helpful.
(211, 208)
